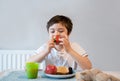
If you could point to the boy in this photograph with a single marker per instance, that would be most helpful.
(59, 50)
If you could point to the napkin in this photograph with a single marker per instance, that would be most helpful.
(95, 74)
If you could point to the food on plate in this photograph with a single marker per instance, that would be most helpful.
(70, 70)
(62, 70)
(58, 70)
(51, 69)
(56, 39)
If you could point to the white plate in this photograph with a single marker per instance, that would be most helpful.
(60, 76)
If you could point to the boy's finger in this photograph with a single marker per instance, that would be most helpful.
(64, 36)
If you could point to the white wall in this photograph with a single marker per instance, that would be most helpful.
(96, 26)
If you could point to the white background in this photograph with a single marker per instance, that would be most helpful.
(96, 26)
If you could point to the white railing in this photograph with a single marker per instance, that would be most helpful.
(14, 59)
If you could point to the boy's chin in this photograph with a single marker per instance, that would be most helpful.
(57, 44)
(58, 47)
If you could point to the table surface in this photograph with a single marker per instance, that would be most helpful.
(21, 76)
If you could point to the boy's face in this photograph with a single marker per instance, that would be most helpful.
(58, 29)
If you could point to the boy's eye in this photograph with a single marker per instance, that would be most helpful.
(52, 31)
(61, 31)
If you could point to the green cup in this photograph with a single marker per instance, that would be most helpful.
(32, 70)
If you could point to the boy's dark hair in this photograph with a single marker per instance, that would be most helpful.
(65, 21)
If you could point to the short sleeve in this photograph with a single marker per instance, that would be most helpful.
(42, 65)
(40, 49)
(79, 49)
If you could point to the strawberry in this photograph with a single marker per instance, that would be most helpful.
(56, 39)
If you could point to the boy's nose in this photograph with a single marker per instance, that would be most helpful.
(57, 33)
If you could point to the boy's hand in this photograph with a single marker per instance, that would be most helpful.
(50, 45)
(65, 42)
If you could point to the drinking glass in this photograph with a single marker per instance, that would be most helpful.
(32, 70)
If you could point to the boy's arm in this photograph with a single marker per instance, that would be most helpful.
(43, 53)
(38, 57)
(83, 62)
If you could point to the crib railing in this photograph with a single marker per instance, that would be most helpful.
(14, 59)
